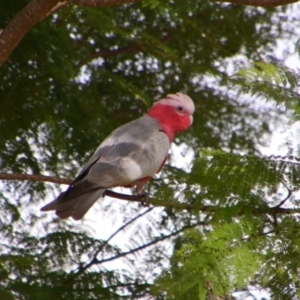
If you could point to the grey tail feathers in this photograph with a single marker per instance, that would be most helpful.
(74, 202)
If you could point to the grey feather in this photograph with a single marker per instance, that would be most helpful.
(131, 152)
(78, 207)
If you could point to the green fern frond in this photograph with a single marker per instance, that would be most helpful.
(213, 262)
(269, 81)
(224, 173)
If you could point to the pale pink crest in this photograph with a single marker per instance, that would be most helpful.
(177, 100)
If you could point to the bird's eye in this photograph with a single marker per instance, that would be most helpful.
(180, 108)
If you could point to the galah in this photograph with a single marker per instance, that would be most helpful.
(128, 157)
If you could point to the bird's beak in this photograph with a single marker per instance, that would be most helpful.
(191, 119)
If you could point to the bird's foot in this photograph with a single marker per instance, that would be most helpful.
(144, 199)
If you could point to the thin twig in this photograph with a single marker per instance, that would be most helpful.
(121, 228)
(287, 196)
(81, 268)
(95, 261)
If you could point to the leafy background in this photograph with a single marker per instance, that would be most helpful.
(81, 73)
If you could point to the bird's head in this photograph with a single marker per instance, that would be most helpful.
(174, 113)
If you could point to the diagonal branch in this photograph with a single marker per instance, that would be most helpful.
(289, 194)
(34, 12)
(30, 15)
(96, 261)
(81, 269)
(121, 228)
(132, 48)
(36, 178)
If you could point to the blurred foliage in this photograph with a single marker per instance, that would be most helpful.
(272, 82)
(81, 73)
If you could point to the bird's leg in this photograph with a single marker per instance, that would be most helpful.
(144, 199)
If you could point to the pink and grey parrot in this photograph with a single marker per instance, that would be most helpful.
(128, 157)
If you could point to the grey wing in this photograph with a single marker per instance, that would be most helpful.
(123, 133)
(133, 151)
(129, 161)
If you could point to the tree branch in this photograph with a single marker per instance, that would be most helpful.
(158, 202)
(32, 177)
(259, 3)
(263, 3)
(37, 10)
(30, 15)
(99, 3)
(132, 48)
(53, 179)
